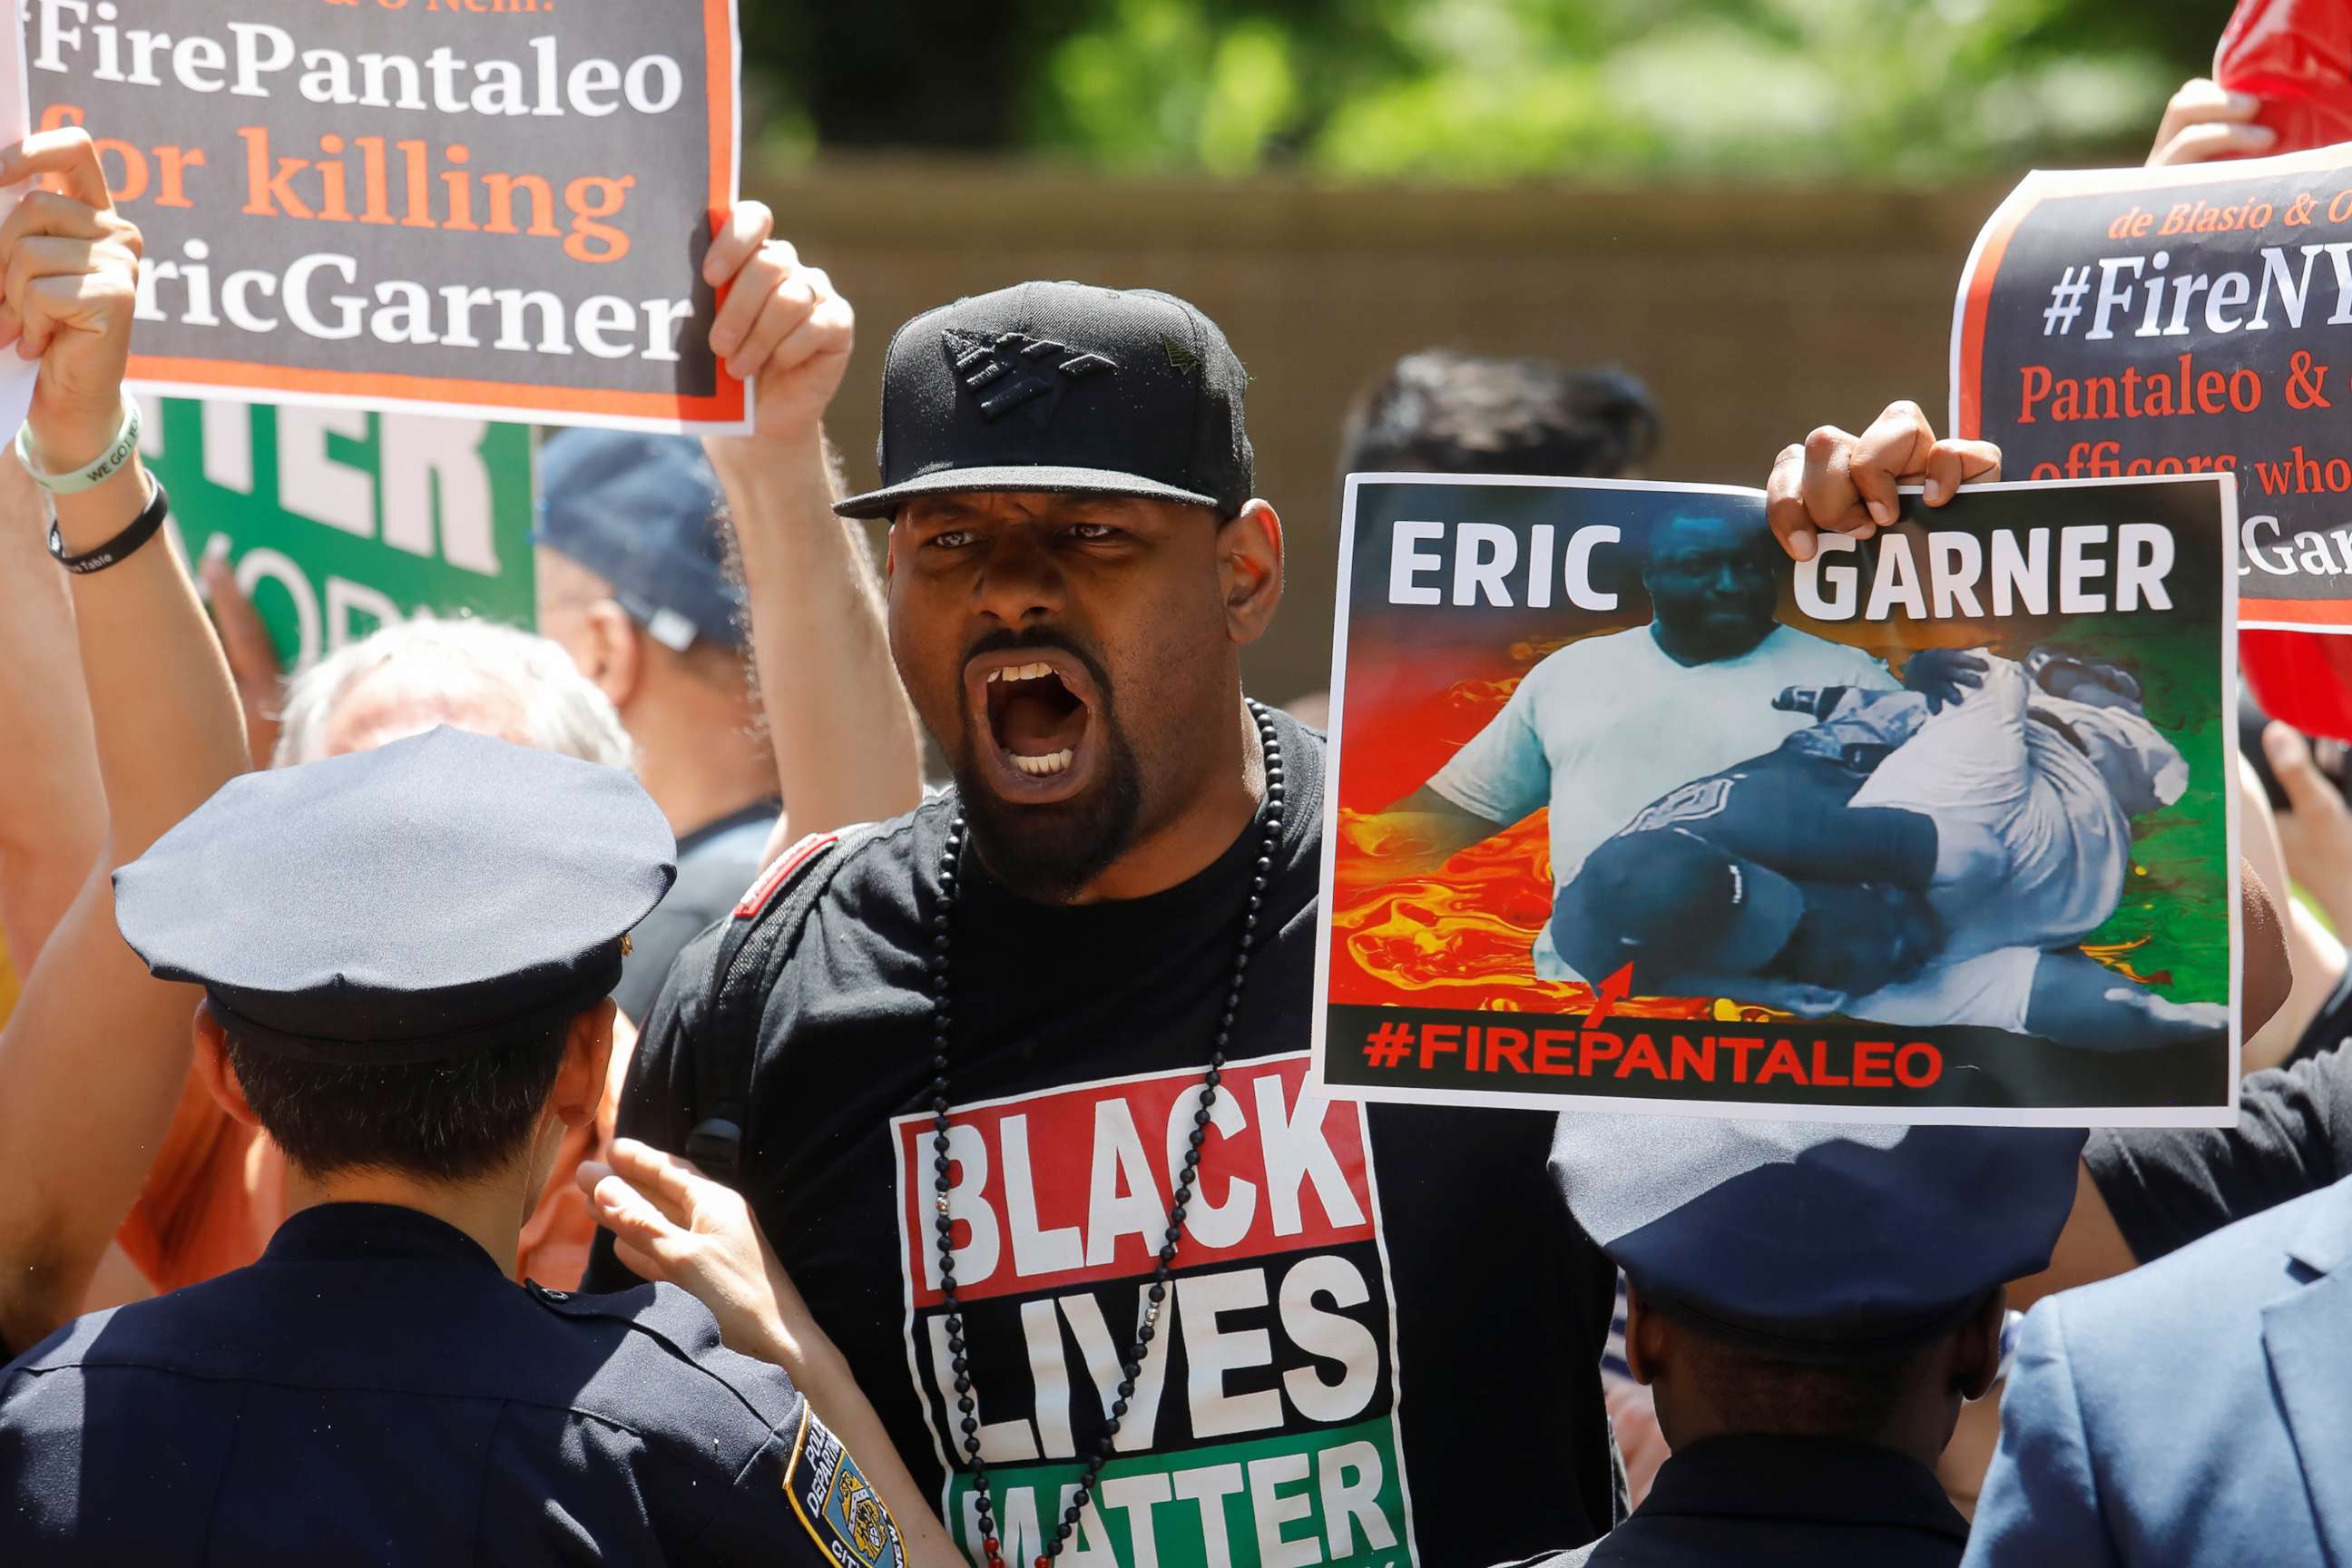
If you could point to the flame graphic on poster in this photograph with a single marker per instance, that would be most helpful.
(1460, 935)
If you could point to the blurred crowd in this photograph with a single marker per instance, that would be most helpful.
(504, 1094)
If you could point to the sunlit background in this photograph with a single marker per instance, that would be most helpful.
(1480, 91)
(1761, 206)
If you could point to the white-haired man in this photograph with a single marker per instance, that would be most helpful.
(407, 678)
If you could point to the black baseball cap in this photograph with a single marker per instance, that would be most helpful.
(1669, 891)
(1062, 386)
(642, 512)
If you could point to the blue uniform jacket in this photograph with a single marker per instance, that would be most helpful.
(375, 1391)
(2197, 1410)
(1762, 1501)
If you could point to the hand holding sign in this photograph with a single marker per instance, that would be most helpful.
(784, 329)
(2207, 120)
(71, 268)
(1846, 484)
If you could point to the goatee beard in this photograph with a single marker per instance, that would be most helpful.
(1051, 853)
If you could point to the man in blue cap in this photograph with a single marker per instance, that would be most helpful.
(633, 582)
(411, 995)
(1811, 1304)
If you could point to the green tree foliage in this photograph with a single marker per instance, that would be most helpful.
(1590, 90)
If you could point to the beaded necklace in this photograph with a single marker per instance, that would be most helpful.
(1131, 1364)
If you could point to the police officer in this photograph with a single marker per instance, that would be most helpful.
(409, 990)
(1810, 1304)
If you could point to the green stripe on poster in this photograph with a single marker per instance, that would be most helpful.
(336, 520)
(1327, 1497)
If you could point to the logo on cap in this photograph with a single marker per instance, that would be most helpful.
(1012, 369)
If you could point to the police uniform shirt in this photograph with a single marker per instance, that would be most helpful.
(1555, 743)
(1783, 1503)
(375, 1391)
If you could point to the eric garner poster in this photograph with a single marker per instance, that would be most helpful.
(497, 209)
(1627, 807)
(2168, 321)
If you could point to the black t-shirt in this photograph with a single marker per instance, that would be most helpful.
(2331, 1027)
(1379, 1349)
(2169, 1186)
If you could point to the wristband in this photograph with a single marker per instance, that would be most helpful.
(99, 471)
(124, 544)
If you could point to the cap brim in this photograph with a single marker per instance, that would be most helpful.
(1769, 908)
(1836, 1338)
(1017, 477)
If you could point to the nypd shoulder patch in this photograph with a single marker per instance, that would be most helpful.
(840, 1509)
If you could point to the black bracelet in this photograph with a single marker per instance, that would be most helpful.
(123, 545)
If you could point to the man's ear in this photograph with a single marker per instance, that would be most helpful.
(1645, 1338)
(213, 1066)
(619, 658)
(1977, 1358)
(1249, 570)
(579, 1091)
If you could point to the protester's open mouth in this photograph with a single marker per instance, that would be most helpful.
(1036, 706)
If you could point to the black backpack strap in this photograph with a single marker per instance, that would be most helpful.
(760, 934)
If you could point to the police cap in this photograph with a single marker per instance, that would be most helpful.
(1815, 1241)
(435, 896)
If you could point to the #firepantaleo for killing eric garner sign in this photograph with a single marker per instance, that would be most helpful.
(499, 206)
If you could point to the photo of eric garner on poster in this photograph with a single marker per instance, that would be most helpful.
(1936, 828)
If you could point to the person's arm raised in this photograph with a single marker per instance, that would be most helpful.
(92, 1061)
(843, 733)
(52, 817)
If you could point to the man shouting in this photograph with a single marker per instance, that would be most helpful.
(1015, 1084)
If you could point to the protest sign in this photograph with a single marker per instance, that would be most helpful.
(2178, 320)
(336, 521)
(1626, 806)
(457, 204)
